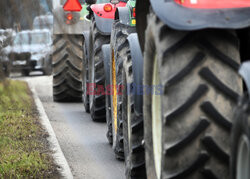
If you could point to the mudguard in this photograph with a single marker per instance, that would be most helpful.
(106, 60)
(137, 70)
(60, 27)
(86, 40)
(179, 17)
(123, 14)
(103, 25)
(244, 71)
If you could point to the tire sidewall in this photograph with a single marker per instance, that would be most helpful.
(149, 57)
(85, 77)
(91, 62)
(240, 128)
(127, 145)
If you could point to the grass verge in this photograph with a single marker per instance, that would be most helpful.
(24, 151)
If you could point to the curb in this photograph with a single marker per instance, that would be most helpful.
(57, 153)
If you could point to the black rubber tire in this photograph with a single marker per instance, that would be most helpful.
(109, 133)
(48, 68)
(47, 72)
(133, 148)
(241, 126)
(106, 58)
(200, 87)
(25, 72)
(67, 65)
(7, 70)
(96, 73)
(85, 78)
(119, 47)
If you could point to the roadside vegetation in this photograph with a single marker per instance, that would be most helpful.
(24, 150)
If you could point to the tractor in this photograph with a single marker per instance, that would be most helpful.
(68, 27)
(123, 64)
(121, 28)
(192, 51)
(125, 104)
(101, 17)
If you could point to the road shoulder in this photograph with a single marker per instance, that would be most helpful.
(58, 155)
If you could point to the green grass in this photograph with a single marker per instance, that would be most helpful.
(23, 149)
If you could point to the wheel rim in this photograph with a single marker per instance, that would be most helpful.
(156, 121)
(243, 158)
(114, 95)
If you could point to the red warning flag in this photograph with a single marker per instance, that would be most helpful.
(72, 5)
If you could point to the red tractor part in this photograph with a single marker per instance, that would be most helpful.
(195, 14)
(106, 10)
(72, 5)
(214, 4)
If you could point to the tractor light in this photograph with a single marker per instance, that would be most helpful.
(69, 16)
(133, 22)
(134, 12)
(108, 8)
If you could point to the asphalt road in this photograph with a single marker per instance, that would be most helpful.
(83, 142)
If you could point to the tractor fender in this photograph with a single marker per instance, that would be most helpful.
(182, 18)
(244, 71)
(103, 25)
(98, 9)
(60, 26)
(122, 14)
(137, 68)
(86, 40)
(106, 61)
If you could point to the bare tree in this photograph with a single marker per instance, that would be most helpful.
(18, 11)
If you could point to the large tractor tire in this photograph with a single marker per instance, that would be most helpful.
(47, 71)
(96, 74)
(48, 68)
(119, 47)
(85, 77)
(134, 152)
(67, 65)
(240, 149)
(187, 118)
(25, 72)
(106, 58)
